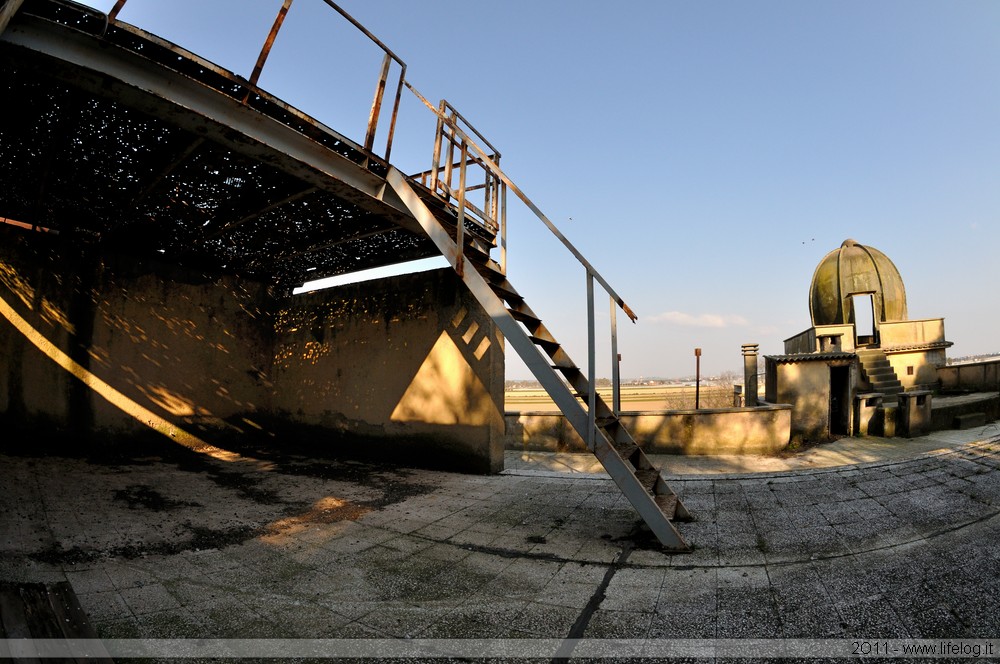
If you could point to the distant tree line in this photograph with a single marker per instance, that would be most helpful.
(973, 358)
(725, 378)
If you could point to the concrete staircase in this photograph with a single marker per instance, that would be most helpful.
(876, 369)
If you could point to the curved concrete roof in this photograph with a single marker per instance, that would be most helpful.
(855, 269)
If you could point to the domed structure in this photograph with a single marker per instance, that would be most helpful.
(851, 270)
(863, 367)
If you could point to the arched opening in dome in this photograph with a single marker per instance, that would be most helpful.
(863, 316)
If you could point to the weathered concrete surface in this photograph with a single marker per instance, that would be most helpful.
(104, 349)
(408, 366)
(176, 545)
(947, 409)
(806, 385)
(761, 430)
(974, 376)
(915, 368)
(193, 349)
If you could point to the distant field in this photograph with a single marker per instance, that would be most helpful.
(646, 397)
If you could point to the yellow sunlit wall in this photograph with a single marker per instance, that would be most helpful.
(406, 369)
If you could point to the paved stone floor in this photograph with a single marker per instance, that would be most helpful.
(172, 544)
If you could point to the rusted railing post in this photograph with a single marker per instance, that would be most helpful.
(268, 43)
(460, 232)
(113, 14)
(616, 400)
(591, 364)
(503, 228)
(377, 103)
(449, 128)
(436, 166)
(395, 112)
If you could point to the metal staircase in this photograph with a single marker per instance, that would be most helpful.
(570, 388)
(180, 90)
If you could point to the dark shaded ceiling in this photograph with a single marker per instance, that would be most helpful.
(93, 157)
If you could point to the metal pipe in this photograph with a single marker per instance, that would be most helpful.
(697, 378)
(490, 163)
(503, 228)
(377, 103)
(591, 362)
(460, 232)
(390, 54)
(113, 14)
(616, 398)
(436, 166)
(395, 112)
(268, 43)
(450, 135)
(363, 30)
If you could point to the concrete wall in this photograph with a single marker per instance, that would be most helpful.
(803, 342)
(407, 370)
(760, 430)
(822, 338)
(923, 364)
(945, 417)
(911, 332)
(971, 377)
(409, 367)
(805, 386)
(185, 347)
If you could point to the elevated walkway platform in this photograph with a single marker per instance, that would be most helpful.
(122, 142)
(150, 149)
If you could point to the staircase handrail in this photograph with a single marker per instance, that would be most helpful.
(493, 213)
(487, 162)
(380, 86)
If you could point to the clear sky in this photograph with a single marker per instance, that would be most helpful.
(704, 155)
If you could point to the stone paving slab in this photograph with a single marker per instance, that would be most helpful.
(176, 545)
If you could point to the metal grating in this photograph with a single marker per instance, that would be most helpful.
(106, 171)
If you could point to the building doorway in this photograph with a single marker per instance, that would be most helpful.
(863, 315)
(840, 401)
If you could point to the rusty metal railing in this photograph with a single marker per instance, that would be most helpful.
(496, 185)
(455, 156)
(380, 87)
(460, 167)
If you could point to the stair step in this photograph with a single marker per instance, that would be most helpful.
(887, 384)
(627, 451)
(568, 371)
(506, 292)
(969, 420)
(523, 317)
(647, 478)
(559, 375)
(548, 344)
(667, 502)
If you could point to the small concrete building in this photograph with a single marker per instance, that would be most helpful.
(863, 366)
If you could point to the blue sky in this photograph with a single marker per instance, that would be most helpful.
(704, 156)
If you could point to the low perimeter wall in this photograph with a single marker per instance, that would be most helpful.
(971, 376)
(761, 430)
